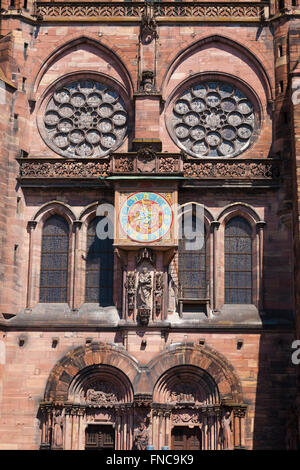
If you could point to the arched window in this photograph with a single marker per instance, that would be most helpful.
(192, 263)
(99, 267)
(54, 260)
(238, 262)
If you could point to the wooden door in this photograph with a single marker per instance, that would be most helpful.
(184, 438)
(99, 437)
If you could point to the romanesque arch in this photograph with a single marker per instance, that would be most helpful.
(103, 385)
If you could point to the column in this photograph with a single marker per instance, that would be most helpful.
(167, 428)
(76, 301)
(214, 227)
(68, 430)
(75, 429)
(260, 228)
(30, 227)
(236, 428)
(204, 432)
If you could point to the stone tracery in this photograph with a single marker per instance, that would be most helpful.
(85, 118)
(213, 119)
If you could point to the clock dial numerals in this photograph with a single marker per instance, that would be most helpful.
(146, 217)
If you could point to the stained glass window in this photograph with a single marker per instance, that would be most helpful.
(54, 260)
(99, 267)
(192, 267)
(238, 262)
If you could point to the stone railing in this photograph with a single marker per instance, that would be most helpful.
(205, 10)
(149, 164)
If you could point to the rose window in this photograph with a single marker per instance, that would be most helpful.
(85, 119)
(213, 119)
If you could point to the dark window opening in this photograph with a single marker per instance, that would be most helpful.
(54, 260)
(238, 262)
(192, 266)
(99, 267)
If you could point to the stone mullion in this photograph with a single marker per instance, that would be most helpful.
(76, 300)
(260, 227)
(30, 228)
(215, 227)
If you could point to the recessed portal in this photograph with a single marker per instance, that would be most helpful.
(185, 438)
(99, 437)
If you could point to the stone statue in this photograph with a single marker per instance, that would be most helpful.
(226, 434)
(58, 429)
(141, 437)
(145, 288)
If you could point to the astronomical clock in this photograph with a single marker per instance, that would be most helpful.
(145, 217)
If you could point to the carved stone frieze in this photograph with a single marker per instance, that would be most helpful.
(179, 164)
(254, 10)
(186, 417)
(101, 393)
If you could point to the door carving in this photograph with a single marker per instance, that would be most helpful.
(99, 437)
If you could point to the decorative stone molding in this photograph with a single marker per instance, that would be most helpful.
(164, 164)
(228, 10)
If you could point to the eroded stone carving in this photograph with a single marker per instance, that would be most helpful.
(141, 437)
(131, 290)
(85, 118)
(213, 119)
(226, 432)
(184, 392)
(158, 292)
(58, 423)
(104, 393)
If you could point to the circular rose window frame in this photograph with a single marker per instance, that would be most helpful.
(200, 79)
(66, 81)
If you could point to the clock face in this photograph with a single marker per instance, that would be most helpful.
(146, 217)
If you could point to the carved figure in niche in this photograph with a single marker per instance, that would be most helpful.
(141, 438)
(147, 81)
(130, 286)
(58, 420)
(158, 291)
(226, 434)
(145, 289)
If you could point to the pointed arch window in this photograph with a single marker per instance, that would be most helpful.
(238, 261)
(192, 264)
(54, 260)
(99, 267)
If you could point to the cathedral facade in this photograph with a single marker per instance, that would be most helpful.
(149, 225)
